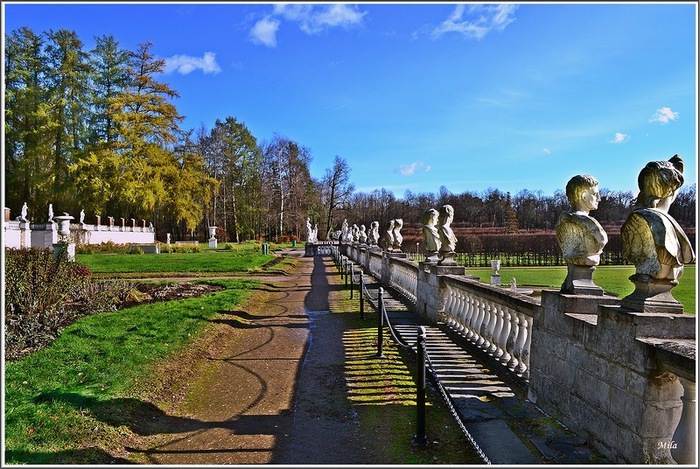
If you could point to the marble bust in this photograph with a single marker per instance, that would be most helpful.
(389, 236)
(431, 237)
(362, 235)
(448, 240)
(580, 236)
(397, 237)
(374, 233)
(653, 240)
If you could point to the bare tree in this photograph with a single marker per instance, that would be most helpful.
(337, 189)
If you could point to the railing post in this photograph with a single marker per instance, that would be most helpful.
(352, 281)
(346, 272)
(420, 439)
(362, 295)
(380, 327)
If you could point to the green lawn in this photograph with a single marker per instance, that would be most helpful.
(61, 399)
(236, 260)
(612, 279)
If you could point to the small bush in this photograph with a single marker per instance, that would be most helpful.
(44, 293)
(134, 249)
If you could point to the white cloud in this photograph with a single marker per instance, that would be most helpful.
(410, 169)
(619, 138)
(546, 151)
(185, 64)
(265, 32)
(314, 19)
(664, 115)
(476, 21)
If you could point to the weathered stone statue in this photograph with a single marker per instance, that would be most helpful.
(389, 237)
(362, 236)
(355, 233)
(344, 232)
(653, 240)
(50, 219)
(580, 236)
(374, 233)
(397, 237)
(431, 237)
(314, 233)
(309, 231)
(82, 217)
(448, 240)
(23, 213)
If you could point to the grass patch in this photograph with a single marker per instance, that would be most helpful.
(612, 279)
(83, 390)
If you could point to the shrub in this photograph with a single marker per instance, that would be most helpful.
(134, 249)
(44, 293)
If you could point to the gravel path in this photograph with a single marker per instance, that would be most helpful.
(271, 389)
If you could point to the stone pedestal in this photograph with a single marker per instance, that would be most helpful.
(495, 279)
(309, 250)
(652, 296)
(68, 248)
(213, 243)
(448, 259)
(579, 281)
(25, 240)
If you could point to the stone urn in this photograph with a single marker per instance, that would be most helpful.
(64, 226)
(495, 276)
(213, 243)
(63, 237)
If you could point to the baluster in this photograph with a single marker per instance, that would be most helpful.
(495, 329)
(462, 313)
(470, 315)
(523, 342)
(481, 317)
(513, 339)
(505, 334)
(449, 307)
(486, 326)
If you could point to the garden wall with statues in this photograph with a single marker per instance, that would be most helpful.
(22, 233)
(620, 371)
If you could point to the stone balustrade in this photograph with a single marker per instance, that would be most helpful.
(624, 379)
(497, 321)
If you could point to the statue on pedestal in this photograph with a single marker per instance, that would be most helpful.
(344, 232)
(374, 233)
(362, 235)
(448, 240)
(23, 213)
(431, 237)
(50, 219)
(389, 237)
(580, 236)
(653, 240)
(309, 231)
(397, 237)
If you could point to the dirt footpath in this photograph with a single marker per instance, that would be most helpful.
(271, 387)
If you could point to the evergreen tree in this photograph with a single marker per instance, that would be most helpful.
(28, 123)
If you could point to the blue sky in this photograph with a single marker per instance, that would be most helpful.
(415, 96)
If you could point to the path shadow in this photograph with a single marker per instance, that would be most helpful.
(317, 298)
(145, 418)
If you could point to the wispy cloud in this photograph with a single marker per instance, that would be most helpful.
(312, 19)
(619, 138)
(476, 21)
(664, 115)
(410, 169)
(546, 151)
(185, 64)
(265, 32)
